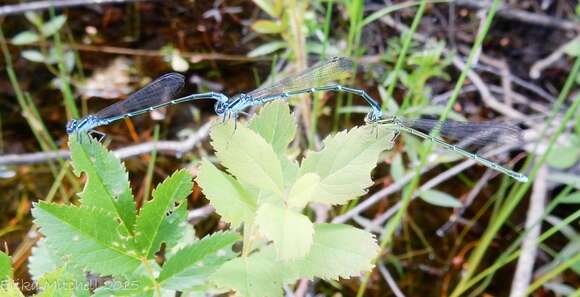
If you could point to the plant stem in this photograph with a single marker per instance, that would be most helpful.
(408, 37)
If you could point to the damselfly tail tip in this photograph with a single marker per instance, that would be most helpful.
(521, 178)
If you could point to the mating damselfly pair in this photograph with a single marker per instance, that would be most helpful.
(324, 76)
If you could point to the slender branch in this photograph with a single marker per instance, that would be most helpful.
(170, 147)
(44, 5)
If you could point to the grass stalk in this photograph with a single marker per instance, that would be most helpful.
(316, 97)
(151, 166)
(408, 37)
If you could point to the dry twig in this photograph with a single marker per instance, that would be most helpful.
(162, 147)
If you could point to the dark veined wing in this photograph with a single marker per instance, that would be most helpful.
(159, 91)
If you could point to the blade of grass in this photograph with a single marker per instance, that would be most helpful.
(316, 102)
(356, 11)
(64, 77)
(151, 166)
(403, 54)
(30, 113)
(504, 260)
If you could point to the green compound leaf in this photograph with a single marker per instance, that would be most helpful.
(191, 266)
(248, 157)
(253, 276)
(276, 125)
(133, 285)
(58, 283)
(42, 260)
(290, 231)
(226, 195)
(337, 251)
(303, 190)
(91, 238)
(439, 198)
(167, 198)
(5, 267)
(345, 163)
(107, 184)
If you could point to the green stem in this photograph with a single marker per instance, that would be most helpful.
(408, 37)
(151, 166)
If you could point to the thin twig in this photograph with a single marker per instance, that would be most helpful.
(525, 266)
(390, 281)
(169, 147)
(44, 5)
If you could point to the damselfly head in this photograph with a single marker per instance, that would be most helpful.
(220, 107)
(71, 126)
(373, 116)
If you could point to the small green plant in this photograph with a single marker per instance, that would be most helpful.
(267, 192)
(105, 235)
(152, 252)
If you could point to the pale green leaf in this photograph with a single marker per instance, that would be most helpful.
(42, 260)
(267, 48)
(303, 190)
(33, 55)
(90, 237)
(58, 283)
(5, 267)
(25, 38)
(192, 265)
(345, 163)
(290, 169)
(439, 198)
(397, 168)
(52, 26)
(107, 185)
(267, 27)
(337, 251)
(276, 125)
(45, 260)
(290, 231)
(248, 157)
(226, 195)
(251, 276)
(167, 198)
(34, 18)
(563, 157)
